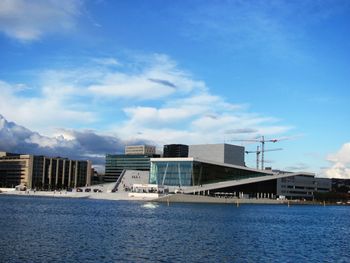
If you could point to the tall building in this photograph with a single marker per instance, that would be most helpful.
(43, 172)
(140, 150)
(116, 163)
(221, 153)
(136, 157)
(175, 150)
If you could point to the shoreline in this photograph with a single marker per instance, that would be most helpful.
(90, 195)
(172, 198)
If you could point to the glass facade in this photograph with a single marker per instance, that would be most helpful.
(191, 173)
(116, 163)
(174, 173)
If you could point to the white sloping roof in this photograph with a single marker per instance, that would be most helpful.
(206, 187)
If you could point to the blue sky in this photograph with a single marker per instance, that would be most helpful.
(181, 72)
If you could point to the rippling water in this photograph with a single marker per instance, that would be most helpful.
(34, 229)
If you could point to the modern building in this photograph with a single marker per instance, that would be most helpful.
(302, 185)
(196, 176)
(136, 157)
(220, 153)
(116, 163)
(140, 150)
(189, 172)
(43, 172)
(175, 150)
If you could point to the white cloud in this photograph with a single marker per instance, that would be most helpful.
(152, 116)
(159, 79)
(49, 109)
(197, 117)
(69, 98)
(42, 141)
(342, 156)
(30, 20)
(107, 61)
(159, 136)
(340, 163)
(74, 144)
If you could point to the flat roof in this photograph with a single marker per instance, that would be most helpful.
(215, 144)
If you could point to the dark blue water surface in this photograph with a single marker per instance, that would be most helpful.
(34, 229)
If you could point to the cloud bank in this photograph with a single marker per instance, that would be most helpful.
(153, 100)
(149, 99)
(340, 161)
(67, 143)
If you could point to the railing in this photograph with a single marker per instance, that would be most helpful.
(115, 188)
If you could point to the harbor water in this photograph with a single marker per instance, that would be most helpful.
(41, 229)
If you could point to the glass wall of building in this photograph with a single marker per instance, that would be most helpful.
(37, 177)
(116, 163)
(191, 173)
(206, 173)
(174, 173)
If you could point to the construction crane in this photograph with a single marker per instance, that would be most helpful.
(262, 140)
(258, 151)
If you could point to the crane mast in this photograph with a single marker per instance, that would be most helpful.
(262, 151)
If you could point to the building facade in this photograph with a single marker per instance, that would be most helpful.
(185, 172)
(193, 175)
(140, 150)
(303, 185)
(42, 172)
(221, 153)
(116, 163)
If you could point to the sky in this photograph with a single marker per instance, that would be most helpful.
(85, 78)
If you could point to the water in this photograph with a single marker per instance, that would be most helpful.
(34, 229)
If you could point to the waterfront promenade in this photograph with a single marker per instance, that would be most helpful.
(88, 195)
(145, 197)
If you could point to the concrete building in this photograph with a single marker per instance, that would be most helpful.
(302, 185)
(43, 172)
(175, 150)
(15, 169)
(140, 150)
(220, 153)
(195, 176)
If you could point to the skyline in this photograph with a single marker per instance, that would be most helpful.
(88, 76)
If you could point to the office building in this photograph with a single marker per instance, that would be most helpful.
(136, 157)
(116, 163)
(302, 185)
(140, 150)
(42, 172)
(175, 150)
(220, 153)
